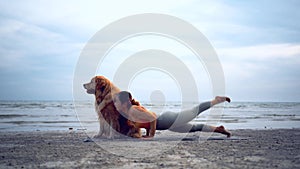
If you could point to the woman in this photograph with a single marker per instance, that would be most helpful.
(177, 122)
(137, 115)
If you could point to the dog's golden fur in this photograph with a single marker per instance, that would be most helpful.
(111, 121)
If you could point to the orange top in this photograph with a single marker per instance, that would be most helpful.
(139, 117)
(140, 125)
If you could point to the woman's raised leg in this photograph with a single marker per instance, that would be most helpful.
(177, 119)
(188, 115)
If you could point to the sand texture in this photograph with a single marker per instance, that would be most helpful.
(247, 149)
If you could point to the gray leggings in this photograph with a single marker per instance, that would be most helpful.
(179, 121)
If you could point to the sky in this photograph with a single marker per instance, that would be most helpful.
(257, 43)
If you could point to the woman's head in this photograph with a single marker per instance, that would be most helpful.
(124, 100)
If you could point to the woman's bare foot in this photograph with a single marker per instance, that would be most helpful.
(222, 130)
(220, 99)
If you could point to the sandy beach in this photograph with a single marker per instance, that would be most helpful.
(278, 148)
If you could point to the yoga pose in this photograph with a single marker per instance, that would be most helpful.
(140, 117)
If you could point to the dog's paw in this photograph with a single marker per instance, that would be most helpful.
(113, 136)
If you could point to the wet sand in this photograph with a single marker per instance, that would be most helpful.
(278, 148)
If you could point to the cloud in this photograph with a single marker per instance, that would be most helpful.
(262, 72)
(31, 39)
(246, 23)
(41, 41)
(257, 42)
(35, 58)
(262, 52)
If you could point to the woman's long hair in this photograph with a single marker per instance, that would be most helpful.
(124, 96)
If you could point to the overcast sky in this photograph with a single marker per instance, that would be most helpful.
(257, 42)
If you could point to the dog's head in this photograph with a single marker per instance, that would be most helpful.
(100, 86)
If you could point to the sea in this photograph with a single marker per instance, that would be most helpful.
(81, 115)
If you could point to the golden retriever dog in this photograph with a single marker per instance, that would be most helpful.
(112, 123)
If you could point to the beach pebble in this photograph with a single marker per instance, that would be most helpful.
(87, 140)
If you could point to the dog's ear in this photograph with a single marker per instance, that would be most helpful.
(99, 88)
(100, 85)
(102, 88)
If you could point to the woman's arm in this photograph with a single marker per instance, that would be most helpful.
(152, 128)
(142, 115)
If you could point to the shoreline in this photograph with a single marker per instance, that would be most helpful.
(270, 148)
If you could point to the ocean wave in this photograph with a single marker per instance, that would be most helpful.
(239, 106)
(38, 114)
(281, 105)
(8, 116)
(44, 122)
(35, 105)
